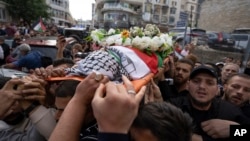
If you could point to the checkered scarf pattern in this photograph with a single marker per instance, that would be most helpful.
(102, 62)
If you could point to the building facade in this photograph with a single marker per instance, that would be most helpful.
(60, 12)
(225, 15)
(4, 16)
(127, 13)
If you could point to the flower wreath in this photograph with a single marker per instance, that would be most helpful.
(149, 39)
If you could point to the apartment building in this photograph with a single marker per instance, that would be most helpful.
(186, 7)
(60, 12)
(4, 16)
(127, 13)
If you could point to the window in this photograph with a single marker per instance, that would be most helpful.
(148, 7)
(174, 3)
(157, 9)
(171, 20)
(192, 8)
(164, 10)
(2, 14)
(164, 19)
(172, 10)
(66, 4)
(182, 6)
(156, 18)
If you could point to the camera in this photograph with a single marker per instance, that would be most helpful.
(170, 81)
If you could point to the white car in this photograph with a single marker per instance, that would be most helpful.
(11, 73)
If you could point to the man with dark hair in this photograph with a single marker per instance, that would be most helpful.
(237, 92)
(64, 93)
(183, 68)
(161, 121)
(207, 111)
(63, 62)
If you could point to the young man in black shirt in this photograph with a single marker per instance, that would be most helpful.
(237, 92)
(208, 112)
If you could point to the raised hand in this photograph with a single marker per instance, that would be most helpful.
(33, 89)
(153, 93)
(116, 106)
(86, 89)
(9, 95)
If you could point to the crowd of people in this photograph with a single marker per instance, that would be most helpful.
(187, 100)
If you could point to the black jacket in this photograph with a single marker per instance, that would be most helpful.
(219, 110)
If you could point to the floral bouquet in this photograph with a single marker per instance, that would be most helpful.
(148, 40)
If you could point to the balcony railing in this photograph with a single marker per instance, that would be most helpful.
(118, 8)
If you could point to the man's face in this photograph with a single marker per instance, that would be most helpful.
(228, 71)
(202, 88)
(237, 90)
(61, 103)
(182, 72)
(140, 134)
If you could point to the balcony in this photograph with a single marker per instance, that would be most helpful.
(117, 8)
(135, 2)
(156, 19)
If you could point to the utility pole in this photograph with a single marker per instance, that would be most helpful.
(191, 16)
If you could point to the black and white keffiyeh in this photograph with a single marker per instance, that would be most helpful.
(113, 61)
(99, 61)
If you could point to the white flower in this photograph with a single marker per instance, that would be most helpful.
(111, 40)
(127, 42)
(167, 41)
(147, 33)
(136, 41)
(155, 43)
(170, 41)
(94, 35)
(145, 42)
(111, 31)
(118, 41)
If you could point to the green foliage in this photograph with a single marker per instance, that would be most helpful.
(28, 10)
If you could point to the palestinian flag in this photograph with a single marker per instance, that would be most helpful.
(40, 26)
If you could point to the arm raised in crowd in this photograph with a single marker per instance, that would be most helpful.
(32, 92)
(70, 123)
(9, 95)
(116, 109)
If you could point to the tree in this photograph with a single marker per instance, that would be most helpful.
(28, 10)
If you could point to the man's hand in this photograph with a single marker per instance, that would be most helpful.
(85, 91)
(60, 42)
(48, 72)
(116, 106)
(33, 89)
(153, 94)
(217, 128)
(9, 95)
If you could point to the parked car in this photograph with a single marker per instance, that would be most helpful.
(241, 40)
(11, 73)
(241, 31)
(194, 35)
(221, 41)
(45, 45)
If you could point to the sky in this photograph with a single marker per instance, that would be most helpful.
(81, 9)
